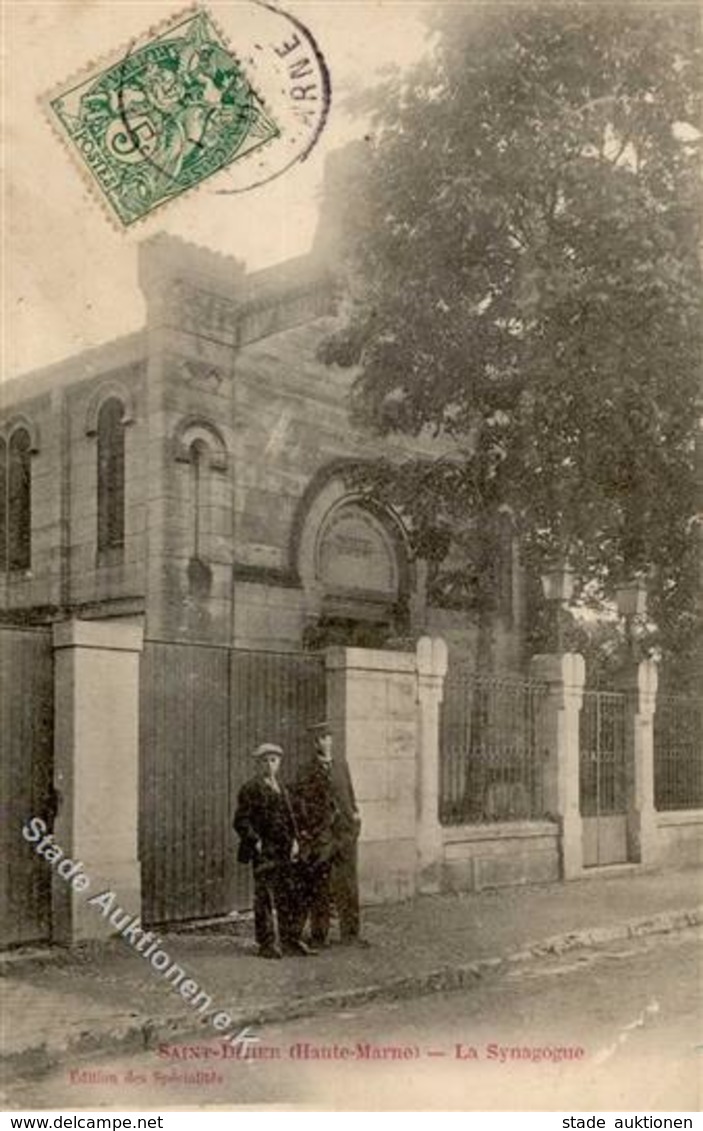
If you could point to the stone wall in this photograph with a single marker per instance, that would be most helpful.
(40, 585)
(679, 838)
(59, 407)
(383, 711)
(96, 769)
(94, 579)
(371, 703)
(500, 855)
(191, 335)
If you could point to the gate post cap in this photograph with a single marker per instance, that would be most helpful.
(566, 668)
(431, 653)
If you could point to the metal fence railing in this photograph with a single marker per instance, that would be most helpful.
(678, 752)
(492, 749)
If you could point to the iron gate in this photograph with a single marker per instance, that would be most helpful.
(203, 710)
(184, 797)
(26, 773)
(492, 749)
(603, 784)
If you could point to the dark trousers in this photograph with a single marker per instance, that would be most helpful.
(344, 886)
(273, 892)
(313, 898)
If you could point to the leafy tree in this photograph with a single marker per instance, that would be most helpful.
(520, 246)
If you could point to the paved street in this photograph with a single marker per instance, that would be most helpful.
(634, 1009)
(92, 1000)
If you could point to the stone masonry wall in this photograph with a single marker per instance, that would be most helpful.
(65, 570)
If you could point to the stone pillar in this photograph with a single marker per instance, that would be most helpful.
(639, 682)
(565, 676)
(431, 670)
(372, 709)
(191, 334)
(96, 769)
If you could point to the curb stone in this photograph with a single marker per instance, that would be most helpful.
(146, 1032)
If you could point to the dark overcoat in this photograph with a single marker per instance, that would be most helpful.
(326, 809)
(266, 815)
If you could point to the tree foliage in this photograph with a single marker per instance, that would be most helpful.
(521, 255)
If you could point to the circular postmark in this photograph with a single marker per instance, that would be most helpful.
(295, 76)
(245, 96)
(269, 95)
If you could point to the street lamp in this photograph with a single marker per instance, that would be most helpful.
(631, 598)
(631, 601)
(558, 587)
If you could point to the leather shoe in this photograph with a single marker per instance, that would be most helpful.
(299, 948)
(270, 952)
(356, 940)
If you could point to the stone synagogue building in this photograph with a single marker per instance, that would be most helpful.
(193, 474)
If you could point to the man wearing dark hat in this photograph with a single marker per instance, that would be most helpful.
(266, 825)
(330, 825)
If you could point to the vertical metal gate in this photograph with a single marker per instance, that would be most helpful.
(26, 775)
(203, 710)
(184, 797)
(603, 782)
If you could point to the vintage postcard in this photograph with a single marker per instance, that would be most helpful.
(351, 716)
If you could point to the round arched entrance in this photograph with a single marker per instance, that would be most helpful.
(355, 570)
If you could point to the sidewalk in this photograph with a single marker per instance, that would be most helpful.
(111, 998)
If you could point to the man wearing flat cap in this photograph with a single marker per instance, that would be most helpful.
(266, 825)
(330, 825)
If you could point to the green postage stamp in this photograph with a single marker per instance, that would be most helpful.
(177, 107)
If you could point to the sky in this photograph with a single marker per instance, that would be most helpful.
(69, 278)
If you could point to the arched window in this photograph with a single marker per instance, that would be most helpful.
(199, 465)
(111, 475)
(16, 501)
(200, 445)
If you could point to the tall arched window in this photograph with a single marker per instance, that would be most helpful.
(200, 445)
(16, 500)
(199, 464)
(20, 500)
(111, 475)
